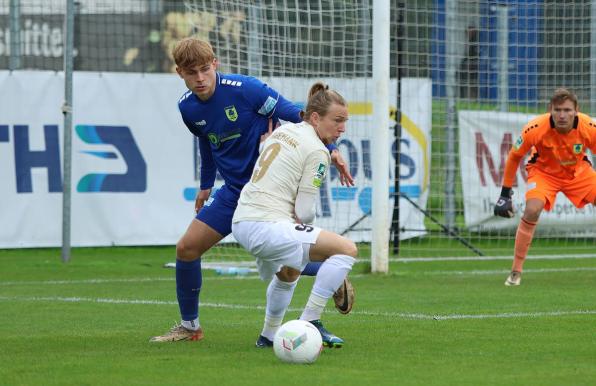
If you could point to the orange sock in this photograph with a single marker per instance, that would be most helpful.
(523, 239)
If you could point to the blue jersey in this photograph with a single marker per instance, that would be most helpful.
(229, 126)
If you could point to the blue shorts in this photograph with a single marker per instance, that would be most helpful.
(219, 210)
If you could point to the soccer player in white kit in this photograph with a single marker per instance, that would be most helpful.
(277, 206)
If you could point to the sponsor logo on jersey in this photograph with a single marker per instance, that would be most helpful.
(214, 139)
(231, 113)
(518, 143)
(577, 148)
(218, 139)
(268, 106)
(201, 123)
(319, 176)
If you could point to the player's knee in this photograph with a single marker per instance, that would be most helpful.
(349, 248)
(288, 275)
(533, 210)
(184, 251)
(532, 214)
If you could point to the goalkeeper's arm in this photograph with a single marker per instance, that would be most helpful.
(504, 206)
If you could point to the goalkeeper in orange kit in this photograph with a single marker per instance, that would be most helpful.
(558, 163)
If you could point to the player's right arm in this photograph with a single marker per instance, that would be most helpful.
(202, 196)
(208, 171)
(504, 205)
(208, 168)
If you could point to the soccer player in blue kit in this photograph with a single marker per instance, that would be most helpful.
(230, 114)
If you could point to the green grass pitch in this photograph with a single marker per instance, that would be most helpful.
(88, 322)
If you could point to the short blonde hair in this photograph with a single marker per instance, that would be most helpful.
(561, 95)
(191, 52)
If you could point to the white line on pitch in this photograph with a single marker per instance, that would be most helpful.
(90, 281)
(403, 315)
(501, 271)
(515, 315)
(128, 280)
(254, 277)
(484, 258)
(251, 263)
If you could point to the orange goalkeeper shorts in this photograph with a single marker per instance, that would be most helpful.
(581, 190)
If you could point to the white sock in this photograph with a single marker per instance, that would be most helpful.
(192, 325)
(279, 296)
(314, 307)
(329, 278)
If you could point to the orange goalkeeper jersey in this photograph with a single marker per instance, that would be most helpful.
(559, 155)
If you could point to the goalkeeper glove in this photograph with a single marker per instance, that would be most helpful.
(504, 206)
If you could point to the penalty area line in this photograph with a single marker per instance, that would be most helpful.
(401, 315)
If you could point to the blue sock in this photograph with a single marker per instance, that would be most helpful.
(188, 286)
(311, 268)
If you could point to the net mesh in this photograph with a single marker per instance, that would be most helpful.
(483, 59)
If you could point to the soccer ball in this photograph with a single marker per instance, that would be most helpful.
(297, 341)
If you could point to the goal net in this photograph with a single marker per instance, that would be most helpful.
(292, 44)
(465, 76)
(489, 68)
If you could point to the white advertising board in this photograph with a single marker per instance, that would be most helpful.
(485, 138)
(133, 176)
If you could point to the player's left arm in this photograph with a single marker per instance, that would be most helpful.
(345, 177)
(286, 110)
(269, 103)
(592, 136)
(272, 104)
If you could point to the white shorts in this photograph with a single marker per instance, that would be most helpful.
(276, 244)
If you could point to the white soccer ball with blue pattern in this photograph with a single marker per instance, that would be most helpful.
(297, 341)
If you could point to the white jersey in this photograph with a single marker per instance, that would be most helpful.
(293, 158)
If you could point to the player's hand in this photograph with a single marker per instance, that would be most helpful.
(344, 172)
(269, 131)
(202, 196)
(504, 206)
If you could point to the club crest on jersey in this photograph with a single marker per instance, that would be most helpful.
(231, 113)
(518, 143)
(319, 175)
(577, 148)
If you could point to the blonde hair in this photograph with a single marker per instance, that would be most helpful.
(191, 52)
(561, 95)
(320, 98)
